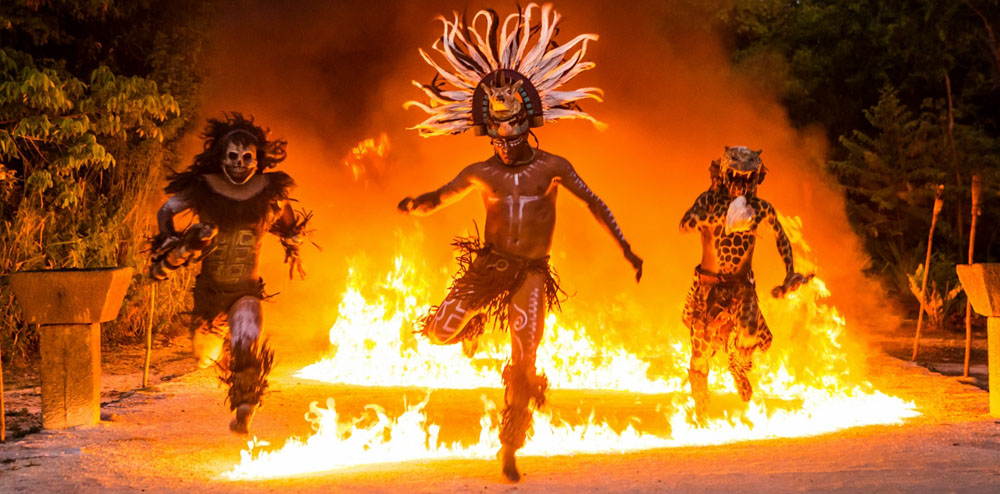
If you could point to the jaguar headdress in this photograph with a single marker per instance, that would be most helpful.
(741, 168)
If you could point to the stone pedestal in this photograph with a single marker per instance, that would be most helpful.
(69, 306)
(982, 285)
(71, 374)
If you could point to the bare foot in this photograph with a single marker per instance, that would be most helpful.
(509, 465)
(241, 424)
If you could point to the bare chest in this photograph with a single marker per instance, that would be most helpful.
(518, 189)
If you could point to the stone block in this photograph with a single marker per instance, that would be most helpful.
(73, 296)
(71, 374)
(981, 283)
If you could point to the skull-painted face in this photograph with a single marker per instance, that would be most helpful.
(741, 169)
(510, 149)
(239, 163)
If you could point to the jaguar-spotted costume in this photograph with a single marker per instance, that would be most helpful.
(722, 309)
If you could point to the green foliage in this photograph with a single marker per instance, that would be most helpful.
(889, 178)
(938, 304)
(92, 100)
(835, 56)
(880, 77)
(54, 122)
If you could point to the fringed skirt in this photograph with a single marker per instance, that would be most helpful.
(487, 280)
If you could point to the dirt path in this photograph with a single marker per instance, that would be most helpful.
(174, 439)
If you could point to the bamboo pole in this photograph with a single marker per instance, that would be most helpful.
(938, 203)
(977, 190)
(149, 335)
(3, 408)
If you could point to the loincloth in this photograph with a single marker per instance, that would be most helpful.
(718, 304)
(487, 280)
(212, 300)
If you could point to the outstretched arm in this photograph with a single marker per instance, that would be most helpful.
(569, 179)
(450, 192)
(792, 279)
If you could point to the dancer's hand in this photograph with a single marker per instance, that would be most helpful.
(296, 266)
(635, 260)
(407, 205)
(292, 258)
(792, 282)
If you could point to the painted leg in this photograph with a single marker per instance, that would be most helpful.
(523, 385)
(453, 321)
(751, 333)
(740, 362)
(249, 363)
(693, 317)
(698, 372)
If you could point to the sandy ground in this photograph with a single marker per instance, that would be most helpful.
(173, 438)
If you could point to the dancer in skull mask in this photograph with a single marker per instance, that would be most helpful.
(237, 201)
(502, 85)
(722, 310)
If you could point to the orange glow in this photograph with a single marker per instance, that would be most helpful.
(673, 101)
(809, 366)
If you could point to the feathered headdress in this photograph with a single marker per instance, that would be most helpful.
(507, 74)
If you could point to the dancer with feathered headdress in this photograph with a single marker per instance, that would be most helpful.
(502, 78)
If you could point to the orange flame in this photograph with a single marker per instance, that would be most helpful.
(805, 385)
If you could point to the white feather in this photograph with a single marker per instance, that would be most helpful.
(450, 109)
(545, 33)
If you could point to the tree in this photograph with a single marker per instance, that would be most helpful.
(91, 102)
(860, 68)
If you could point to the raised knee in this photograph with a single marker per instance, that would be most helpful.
(436, 333)
(435, 337)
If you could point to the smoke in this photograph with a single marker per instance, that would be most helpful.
(326, 76)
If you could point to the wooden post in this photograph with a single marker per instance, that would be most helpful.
(977, 189)
(938, 203)
(149, 335)
(3, 409)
